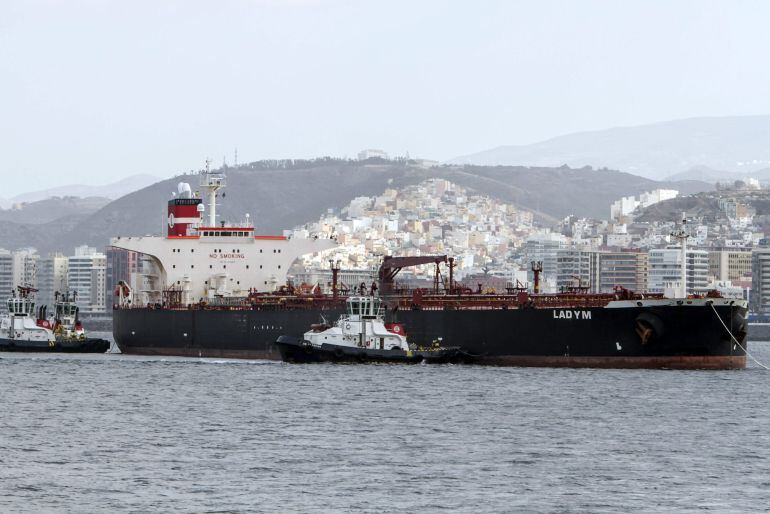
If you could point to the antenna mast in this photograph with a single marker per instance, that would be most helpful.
(681, 235)
(211, 182)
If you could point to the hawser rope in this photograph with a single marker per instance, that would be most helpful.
(734, 339)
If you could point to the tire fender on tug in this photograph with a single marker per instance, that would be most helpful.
(649, 327)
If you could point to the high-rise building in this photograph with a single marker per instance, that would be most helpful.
(577, 268)
(730, 264)
(25, 262)
(665, 270)
(759, 298)
(542, 249)
(87, 276)
(51, 277)
(627, 269)
(6, 278)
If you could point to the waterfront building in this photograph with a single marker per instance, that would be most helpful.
(6, 278)
(87, 277)
(730, 264)
(759, 298)
(577, 268)
(665, 270)
(52, 277)
(627, 269)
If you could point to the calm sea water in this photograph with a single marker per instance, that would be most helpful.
(111, 432)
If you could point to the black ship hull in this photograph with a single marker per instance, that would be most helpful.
(88, 345)
(700, 335)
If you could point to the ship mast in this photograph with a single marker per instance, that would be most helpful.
(211, 182)
(681, 235)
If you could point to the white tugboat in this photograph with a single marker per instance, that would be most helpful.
(360, 335)
(24, 329)
(20, 330)
(68, 329)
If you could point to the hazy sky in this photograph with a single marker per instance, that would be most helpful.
(92, 91)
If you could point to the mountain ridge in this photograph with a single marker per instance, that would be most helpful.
(111, 190)
(737, 144)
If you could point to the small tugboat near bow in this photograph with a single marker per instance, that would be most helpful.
(361, 335)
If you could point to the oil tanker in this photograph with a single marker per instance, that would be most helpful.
(213, 289)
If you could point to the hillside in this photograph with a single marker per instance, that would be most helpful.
(281, 195)
(737, 144)
(705, 205)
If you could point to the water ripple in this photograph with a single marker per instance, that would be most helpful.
(110, 432)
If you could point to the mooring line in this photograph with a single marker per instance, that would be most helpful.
(734, 339)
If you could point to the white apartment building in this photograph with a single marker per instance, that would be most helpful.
(623, 207)
(51, 277)
(6, 278)
(17, 268)
(665, 270)
(87, 275)
(656, 195)
(628, 204)
(25, 262)
(577, 268)
(543, 248)
(759, 298)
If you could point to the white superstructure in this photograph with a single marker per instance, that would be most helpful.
(362, 326)
(20, 324)
(199, 260)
